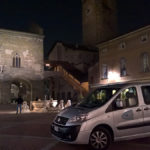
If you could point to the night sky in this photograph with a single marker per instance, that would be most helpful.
(61, 19)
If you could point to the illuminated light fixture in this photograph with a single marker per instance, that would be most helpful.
(113, 76)
(47, 65)
(114, 91)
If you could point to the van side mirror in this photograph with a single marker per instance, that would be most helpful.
(119, 103)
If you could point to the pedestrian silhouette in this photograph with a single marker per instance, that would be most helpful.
(19, 104)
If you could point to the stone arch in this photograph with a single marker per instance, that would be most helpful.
(21, 87)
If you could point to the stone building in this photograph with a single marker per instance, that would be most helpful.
(21, 66)
(66, 70)
(123, 59)
(80, 56)
(70, 63)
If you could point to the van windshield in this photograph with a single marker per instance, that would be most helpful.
(98, 98)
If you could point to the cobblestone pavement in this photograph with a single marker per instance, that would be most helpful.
(30, 131)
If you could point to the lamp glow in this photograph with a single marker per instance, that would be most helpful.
(113, 76)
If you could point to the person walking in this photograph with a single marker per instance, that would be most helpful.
(19, 104)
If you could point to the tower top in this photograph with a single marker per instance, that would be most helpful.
(99, 21)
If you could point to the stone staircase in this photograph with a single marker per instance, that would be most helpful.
(73, 81)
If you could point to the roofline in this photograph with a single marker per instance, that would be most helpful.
(56, 42)
(52, 47)
(16, 33)
(122, 37)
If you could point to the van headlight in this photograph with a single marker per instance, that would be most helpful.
(79, 118)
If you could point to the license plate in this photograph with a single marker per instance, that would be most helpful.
(56, 128)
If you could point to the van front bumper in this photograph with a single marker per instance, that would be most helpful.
(70, 134)
(65, 133)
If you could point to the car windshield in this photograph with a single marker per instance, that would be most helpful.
(98, 98)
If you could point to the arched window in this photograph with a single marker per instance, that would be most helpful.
(16, 61)
(145, 62)
(123, 70)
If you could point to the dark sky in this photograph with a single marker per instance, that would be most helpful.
(61, 19)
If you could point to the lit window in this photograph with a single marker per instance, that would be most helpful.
(123, 71)
(104, 71)
(145, 62)
(16, 61)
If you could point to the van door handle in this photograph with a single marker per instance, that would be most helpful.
(139, 109)
(146, 108)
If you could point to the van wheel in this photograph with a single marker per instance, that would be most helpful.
(100, 139)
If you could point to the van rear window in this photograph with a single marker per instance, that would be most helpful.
(146, 94)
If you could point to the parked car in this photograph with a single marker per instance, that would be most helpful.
(110, 113)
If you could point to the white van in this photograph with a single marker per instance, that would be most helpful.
(110, 113)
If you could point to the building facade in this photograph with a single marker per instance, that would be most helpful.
(21, 66)
(67, 70)
(124, 59)
(81, 57)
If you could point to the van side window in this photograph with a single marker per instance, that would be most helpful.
(146, 94)
(127, 98)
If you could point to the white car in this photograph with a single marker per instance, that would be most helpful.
(110, 113)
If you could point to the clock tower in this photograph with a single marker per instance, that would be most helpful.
(99, 21)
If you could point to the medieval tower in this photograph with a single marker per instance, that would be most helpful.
(99, 21)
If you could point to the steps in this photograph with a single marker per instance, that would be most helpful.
(77, 85)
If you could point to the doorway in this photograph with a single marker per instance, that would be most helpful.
(22, 88)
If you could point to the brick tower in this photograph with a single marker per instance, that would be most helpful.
(99, 21)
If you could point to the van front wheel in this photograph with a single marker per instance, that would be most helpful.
(100, 139)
